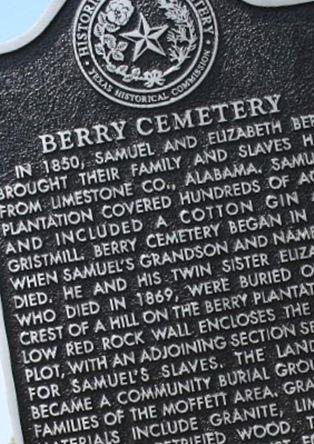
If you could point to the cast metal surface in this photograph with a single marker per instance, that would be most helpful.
(259, 53)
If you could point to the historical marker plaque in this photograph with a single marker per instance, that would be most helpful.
(156, 224)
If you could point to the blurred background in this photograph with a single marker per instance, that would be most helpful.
(16, 17)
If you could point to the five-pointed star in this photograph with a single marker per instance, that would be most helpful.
(146, 38)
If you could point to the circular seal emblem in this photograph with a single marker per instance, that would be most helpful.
(145, 54)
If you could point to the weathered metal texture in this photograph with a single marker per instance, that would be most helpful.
(261, 52)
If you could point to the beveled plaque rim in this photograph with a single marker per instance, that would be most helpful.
(276, 3)
(46, 18)
(10, 387)
(35, 31)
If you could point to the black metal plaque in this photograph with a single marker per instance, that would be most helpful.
(156, 224)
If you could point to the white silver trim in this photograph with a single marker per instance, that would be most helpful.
(56, 5)
(275, 3)
(39, 27)
(9, 382)
(7, 47)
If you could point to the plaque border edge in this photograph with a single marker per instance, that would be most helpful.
(35, 31)
(10, 388)
(276, 3)
(46, 18)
